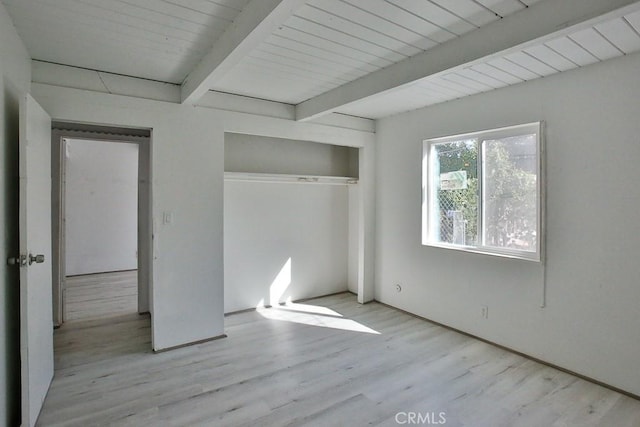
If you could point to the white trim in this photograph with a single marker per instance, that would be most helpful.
(118, 107)
(482, 136)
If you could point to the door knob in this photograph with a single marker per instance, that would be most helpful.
(19, 261)
(38, 259)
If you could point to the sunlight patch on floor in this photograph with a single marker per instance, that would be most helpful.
(314, 316)
(307, 308)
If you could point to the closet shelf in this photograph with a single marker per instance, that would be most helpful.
(289, 178)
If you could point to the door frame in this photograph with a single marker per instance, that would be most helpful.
(142, 137)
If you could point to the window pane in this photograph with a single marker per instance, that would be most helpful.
(454, 178)
(510, 193)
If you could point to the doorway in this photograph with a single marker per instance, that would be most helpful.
(101, 214)
(100, 188)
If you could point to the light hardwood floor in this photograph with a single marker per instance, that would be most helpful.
(101, 295)
(326, 362)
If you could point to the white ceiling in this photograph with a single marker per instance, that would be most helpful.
(153, 39)
(327, 43)
(606, 40)
(328, 55)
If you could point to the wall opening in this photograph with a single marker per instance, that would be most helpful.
(101, 222)
(288, 226)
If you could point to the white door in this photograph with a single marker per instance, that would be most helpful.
(36, 318)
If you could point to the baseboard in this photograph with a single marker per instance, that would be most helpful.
(175, 347)
(101, 272)
(526, 356)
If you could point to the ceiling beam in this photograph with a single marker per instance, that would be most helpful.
(540, 22)
(257, 21)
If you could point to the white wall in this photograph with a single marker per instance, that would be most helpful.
(591, 322)
(15, 78)
(283, 241)
(186, 168)
(254, 154)
(187, 164)
(101, 209)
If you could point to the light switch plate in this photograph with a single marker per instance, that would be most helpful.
(167, 218)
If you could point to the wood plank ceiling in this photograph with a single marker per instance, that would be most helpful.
(327, 43)
(321, 46)
(153, 39)
(605, 40)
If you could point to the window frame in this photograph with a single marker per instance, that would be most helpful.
(428, 196)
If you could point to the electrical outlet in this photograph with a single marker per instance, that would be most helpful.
(484, 311)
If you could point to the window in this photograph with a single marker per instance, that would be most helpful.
(482, 192)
